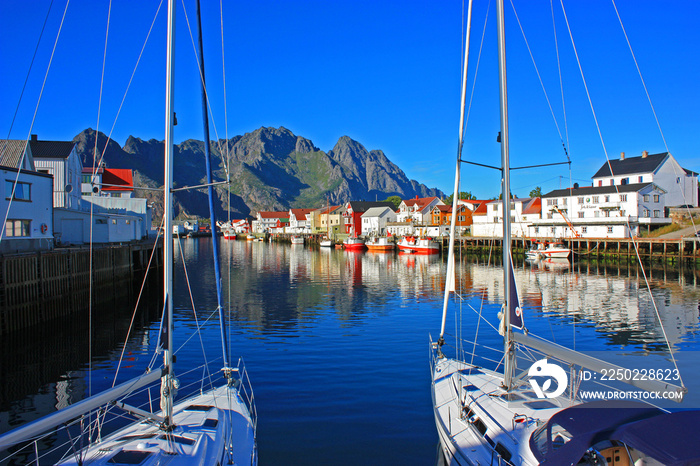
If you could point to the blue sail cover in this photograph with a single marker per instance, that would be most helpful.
(164, 328)
(515, 311)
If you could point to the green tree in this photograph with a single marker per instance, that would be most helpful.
(466, 195)
(395, 199)
(537, 192)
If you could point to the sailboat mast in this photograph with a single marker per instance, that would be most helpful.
(449, 282)
(509, 361)
(167, 394)
(212, 212)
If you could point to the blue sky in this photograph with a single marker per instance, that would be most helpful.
(385, 73)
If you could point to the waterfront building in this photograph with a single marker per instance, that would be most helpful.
(488, 217)
(375, 220)
(108, 182)
(417, 210)
(27, 202)
(352, 215)
(59, 159)
(327, 219)
(614, 211)
(270, 222)
(299, 221)
(680, 185)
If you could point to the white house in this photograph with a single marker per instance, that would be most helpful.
(266, 221)
(27, 203)
(375, 220)
(488, 218)
(59, 159)
(299, 221)
(417, 210)
(680, 185)
(617, 211)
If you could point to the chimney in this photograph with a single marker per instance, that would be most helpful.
(644, 154)
(622, 156)
(34, 138)
(416, 196)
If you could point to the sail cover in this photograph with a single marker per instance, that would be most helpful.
(164, 328)
(514, 309)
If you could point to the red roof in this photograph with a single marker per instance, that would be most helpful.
(301, 213)
(481, 210)
(121, 178)
(535, 206)
(273, 214)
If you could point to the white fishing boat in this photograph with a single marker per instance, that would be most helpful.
(326, 242)
(523, 410)
(548, 250)
(216, 425)
(418, 245)
(296, 239)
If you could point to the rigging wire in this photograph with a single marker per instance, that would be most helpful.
(128, 86)
(653, 110)
(539, 77)
(31, 125)
(605, 151)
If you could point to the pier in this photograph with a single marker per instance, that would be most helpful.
(674, 250)
(39, 287)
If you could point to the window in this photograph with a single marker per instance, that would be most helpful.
(600, 182)
(612, 182)
(549, 216)
(610, 229)
(657, 214)
(645, 213)
(563, 201)
(581, 214)
(580, 200)
(17, 228)
(646, 198)
(607, 198)
(553, 229)
(595, 199)
(23, 191)
(584, 229)
(656, 198)
(640, 179)
(460, 218)
(607, 213)
(623, 197)
(495, 207)
(596, 213)
(537, 229)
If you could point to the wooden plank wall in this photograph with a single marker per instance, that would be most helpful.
(40, 287)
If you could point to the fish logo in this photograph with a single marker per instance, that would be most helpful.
(542, 368)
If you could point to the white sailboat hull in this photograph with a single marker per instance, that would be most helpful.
(205, 425)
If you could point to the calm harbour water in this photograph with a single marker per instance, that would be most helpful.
(336, 343)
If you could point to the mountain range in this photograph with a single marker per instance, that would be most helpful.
(268, 169)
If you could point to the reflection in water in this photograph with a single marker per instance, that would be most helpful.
(336, 341)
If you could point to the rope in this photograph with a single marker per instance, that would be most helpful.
(31, 125)
(537, 71)
(636, 249)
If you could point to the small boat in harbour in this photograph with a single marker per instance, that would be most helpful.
(354, 243)
(296, 239)
(548, 249)
(421, 245)
(380, 244)
(326, 242)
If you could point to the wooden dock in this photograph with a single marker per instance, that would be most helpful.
(677, 250)
(39, 287)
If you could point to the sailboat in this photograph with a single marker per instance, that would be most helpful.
(512, 415)
(217, 425)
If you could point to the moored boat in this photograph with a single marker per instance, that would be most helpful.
(296, 239)
(420, 245)
(353, 243)
(380, 243)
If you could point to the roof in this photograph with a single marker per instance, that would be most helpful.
(51, 149)
(377, 211)
(481, 210)
(363, 206)
(268, 214)
(533, 207)
(589, 190)
(632, 165)
(11, 151)
(443, 208)
(421, 202)
(300, 214)
(121, 179)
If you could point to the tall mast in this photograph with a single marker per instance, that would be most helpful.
(449, 285)
(212, 212)
(167, 390)
(509, 361)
